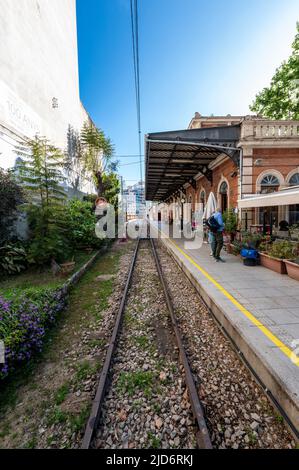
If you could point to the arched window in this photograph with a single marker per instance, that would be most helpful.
(223, 188)
(294, 181)
(270, 184)
(223, 196)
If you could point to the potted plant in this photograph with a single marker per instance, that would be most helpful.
(292, 265)
(250, 244)
(277, 253)
(230, 220)
(68, 267)
(236, 247)
(294, 232)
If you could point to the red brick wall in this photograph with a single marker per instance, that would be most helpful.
(283, 160)
(224, 170)
(280, 159)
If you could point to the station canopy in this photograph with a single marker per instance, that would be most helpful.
(174, 158)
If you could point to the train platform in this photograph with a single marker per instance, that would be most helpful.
(257, 308)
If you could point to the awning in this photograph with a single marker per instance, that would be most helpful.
(280, 198)
(175, 158)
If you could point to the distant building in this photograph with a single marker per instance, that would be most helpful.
(39, 79)
(134, 197)
(201, 122)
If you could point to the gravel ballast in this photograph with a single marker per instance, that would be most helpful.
(238, 412)
(147, 404)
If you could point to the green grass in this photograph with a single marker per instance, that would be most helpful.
(5, 429)
(157, 408)
(84, 370)
(31, 444)
(92, 296)
(86, 299)
(57, 416)
(78, 422)
(105, 291)
(136, 405)
(94, 343)
(129, 382)
(252, 437)
(154, 442)
(278, 418)
(142, 341)
(37, 277)
(61, 394)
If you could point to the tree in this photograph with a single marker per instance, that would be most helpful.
(11, 196)
(111, 188)
(40, 171)
(97, 154)
(281, 99)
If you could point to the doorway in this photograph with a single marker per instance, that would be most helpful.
(223, 192)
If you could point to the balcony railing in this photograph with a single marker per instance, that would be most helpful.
(270, 130)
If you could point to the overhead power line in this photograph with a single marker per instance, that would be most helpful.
(127, 156)
(135, 44)
(127, 164)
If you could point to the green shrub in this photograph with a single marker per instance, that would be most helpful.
(91, 198)
(251, 240)
(236, 247)
(48, 235)
(11, 196)
(13, 259)
(282, 250)
(81, 222)
(230, 220)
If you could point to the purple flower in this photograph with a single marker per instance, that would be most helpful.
(24, 324)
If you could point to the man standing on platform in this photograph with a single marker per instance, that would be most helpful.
(217, 243)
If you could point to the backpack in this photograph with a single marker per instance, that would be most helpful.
(213, 224)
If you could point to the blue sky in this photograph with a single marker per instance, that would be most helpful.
(195, 55)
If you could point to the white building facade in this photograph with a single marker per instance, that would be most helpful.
(135, 202)
(39, 77)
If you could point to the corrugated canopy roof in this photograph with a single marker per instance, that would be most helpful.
(175, 158)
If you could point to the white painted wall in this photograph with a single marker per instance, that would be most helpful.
(38, 62)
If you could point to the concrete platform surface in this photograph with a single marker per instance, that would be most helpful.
(257, 307)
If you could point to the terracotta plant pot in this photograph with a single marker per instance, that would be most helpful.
(229, 248)
(275, 264)
(67, 268)
(292, 269)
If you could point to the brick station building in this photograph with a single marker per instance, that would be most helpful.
(267, 162)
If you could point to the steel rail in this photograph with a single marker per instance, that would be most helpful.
(241, 356)
(95, 414)
(203, 438)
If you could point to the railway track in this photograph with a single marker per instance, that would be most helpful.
(184, 376)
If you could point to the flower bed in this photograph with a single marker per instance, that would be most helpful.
(24, 320)
(25, 317)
